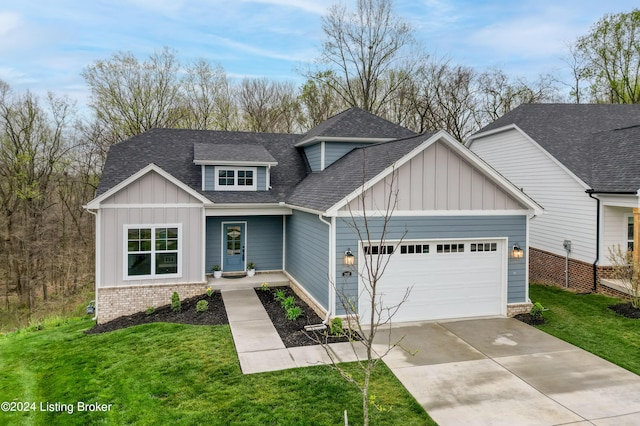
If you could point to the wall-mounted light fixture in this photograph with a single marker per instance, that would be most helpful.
(349, 258)
(517, 252)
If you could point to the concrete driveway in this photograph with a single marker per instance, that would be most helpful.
(499, 371)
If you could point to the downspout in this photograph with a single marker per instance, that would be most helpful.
(331, 269)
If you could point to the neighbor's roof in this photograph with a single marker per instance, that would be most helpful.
(356, 123)
(597, 142)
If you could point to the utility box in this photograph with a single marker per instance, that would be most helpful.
(567, 245)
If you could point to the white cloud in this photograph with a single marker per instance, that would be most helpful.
(318, 7)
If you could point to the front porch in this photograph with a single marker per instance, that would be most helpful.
(274, 279)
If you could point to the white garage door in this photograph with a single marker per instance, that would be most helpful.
(449, 279)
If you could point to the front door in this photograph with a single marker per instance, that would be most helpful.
(233, 247)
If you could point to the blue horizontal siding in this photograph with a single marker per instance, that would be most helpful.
(453, 227)
(307, 254)
(313, 154)
(209, 178)
(333, 151)
(264, 241)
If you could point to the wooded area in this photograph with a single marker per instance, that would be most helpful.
(51, 155)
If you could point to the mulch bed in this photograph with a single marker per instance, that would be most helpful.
(626, 310)
(528, 319)
(292, 333)
(215, 315)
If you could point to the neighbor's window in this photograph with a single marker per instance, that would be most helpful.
(152, 251)
(235, 179)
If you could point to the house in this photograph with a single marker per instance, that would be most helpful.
(582, 164)
(171, 204)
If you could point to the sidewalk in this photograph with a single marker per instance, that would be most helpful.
(258, 344)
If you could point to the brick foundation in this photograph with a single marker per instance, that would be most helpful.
(548, 268)
(114, 302)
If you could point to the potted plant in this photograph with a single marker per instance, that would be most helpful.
(251, 269)
(217, 271)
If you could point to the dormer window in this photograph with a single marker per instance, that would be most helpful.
(235, 178)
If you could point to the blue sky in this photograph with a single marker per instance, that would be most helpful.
(45, 44)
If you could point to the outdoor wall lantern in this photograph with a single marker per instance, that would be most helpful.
(517, 252)
(349, 258)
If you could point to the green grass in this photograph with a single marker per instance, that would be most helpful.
(177, 374)
(587, 322)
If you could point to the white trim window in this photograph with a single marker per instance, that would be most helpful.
(152, 251)
(235, 178)
(629, 232)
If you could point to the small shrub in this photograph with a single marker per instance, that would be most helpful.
(537, 311)
(336, 327)
(251, 265)
(202, 306)
(279, 295)
(209, 291)
(176, 304)
(150, 310)
(293, 313)
(216, 268)
(264, 286)
(288, 303)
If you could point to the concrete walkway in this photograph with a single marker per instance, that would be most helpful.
(258, 344)
(499, 371)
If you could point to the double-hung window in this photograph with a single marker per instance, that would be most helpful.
(152, 251)
(235, 179)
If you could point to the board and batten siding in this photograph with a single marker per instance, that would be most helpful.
(569, 213)
(434, 228)
(154, 192)
(438, 178)
(263, 236)
(307, 254)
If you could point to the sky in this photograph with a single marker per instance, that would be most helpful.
(45, 44)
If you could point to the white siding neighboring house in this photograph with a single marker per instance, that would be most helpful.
(580, 163)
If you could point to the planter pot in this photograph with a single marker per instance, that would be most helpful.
(251, 272)
(217, 274)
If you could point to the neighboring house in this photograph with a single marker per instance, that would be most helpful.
(582, 164)
(171, 204)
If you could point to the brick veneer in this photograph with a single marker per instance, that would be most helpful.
(514, 309)
(548, 268)
(114, 302)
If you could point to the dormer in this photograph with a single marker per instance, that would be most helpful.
(237, 167)
(332, 139)
(321, 152)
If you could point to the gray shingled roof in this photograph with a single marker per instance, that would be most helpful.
(320, 191)
(597, 142)
(357, 123)
(172, 150)
(203, 152)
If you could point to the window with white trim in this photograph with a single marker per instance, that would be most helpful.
(152, 251)
(450, 248)
(482, 247)
(381, 249)
(235, 178)
(414, 249)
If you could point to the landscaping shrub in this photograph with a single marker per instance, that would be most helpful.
(336, 327)
(537, 311)
(150, 310)
(202, 306)
(288, 303)
(293, 313)
(176, 305)
(279, 295)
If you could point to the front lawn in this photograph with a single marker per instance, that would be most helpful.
(176, 374)
(587, 322)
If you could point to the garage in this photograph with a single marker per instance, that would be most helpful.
(449, 279)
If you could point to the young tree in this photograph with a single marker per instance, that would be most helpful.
(374, 233)
(627, 272)
(611, 53)
(362, 47)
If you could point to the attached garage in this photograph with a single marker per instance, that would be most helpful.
(445, 279)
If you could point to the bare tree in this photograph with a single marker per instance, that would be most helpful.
(627, 272)
(318, 101)
(269, 106)
(129, 97)
(362, 47)
(377, 315)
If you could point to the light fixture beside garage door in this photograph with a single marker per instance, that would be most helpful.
(517, 252)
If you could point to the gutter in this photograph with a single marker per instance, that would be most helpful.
(591, 192)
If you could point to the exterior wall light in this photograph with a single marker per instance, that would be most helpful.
(517, 252)
(349, 258)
